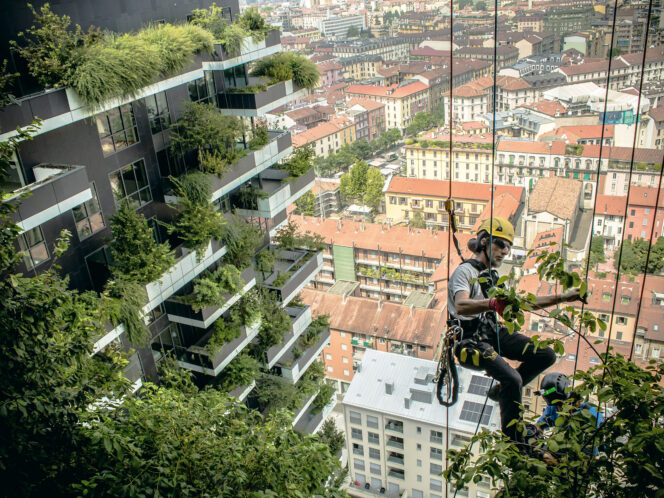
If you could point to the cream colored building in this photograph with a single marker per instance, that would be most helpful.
(396, 431)
(328, 137)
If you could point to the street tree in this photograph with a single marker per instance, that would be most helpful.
(306, 205)
(373, 191)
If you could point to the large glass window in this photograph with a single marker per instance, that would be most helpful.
(34, 248)
(88, 216)
(202, 90)
(158, 114)
(131, 184)
(117, 129)
(98, 264)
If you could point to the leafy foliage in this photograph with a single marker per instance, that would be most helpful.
(274, 325)
(197, 221)
(300, 162)
(136, 254)
(597, 251)
(255, 23)
(421, 121)
(629, 461)
(248, 309)
(417, 221)
(125, 299)
(242, 371)
(210, 288)
(354, 183)
(241, 238)
(331, 436)
(265, 261)
(173, 443)
(323, 398)
(224, 330)
(260, 138)
(285, 66)
(318, 325)
(289, 238)
(634, 253)
(373, 190)
(99, 66)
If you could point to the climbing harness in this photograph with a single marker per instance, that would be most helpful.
(447, 377)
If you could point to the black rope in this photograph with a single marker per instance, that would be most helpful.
(599, 162)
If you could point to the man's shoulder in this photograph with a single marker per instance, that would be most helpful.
(465, 269)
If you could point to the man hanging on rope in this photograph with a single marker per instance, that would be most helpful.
(484, 344)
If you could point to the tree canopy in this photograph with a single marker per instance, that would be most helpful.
(634, 253)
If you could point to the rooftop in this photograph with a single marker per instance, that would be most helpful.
(391, 91)
(441, 188)
(407, 378)
(558, 196)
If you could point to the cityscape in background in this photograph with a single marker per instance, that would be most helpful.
(548, 114)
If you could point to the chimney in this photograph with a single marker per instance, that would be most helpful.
(389, 387)
(406, 403)
(380, 304)
(411, 310)
(362, 226)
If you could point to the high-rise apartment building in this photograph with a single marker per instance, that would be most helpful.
(86, 161)
(396, 430)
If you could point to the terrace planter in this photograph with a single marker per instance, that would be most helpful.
(300, 319)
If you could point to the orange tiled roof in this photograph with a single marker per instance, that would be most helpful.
(368, 104)
(556, 195)
(548, 107)
(440, 188)
(612, 205)
(392, 91)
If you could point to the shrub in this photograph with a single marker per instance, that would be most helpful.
(241, 239)
(224, 331)
(323, 398)
(123, 303)
(248, 309)
(136, 254)
(197, 222)
(231, 39)
(265, 261)
(274, 325)
(212, 19)
(210, 288)
(286, 66)
(255, 23)
(239, 372)
(300, 162)
(260, 138)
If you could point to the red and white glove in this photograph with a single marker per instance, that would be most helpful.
(497, 305)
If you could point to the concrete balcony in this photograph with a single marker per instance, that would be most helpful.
(300, 266)
(237, 103)
(183, 313)
(310, 423)
(250, 51)
(372, 262)
(281, 193)
(291, 368)
(300, 317)
(56, 190)
(197, 359)
(186, 268)
(278, 148)
(300, 412)
(241, 392)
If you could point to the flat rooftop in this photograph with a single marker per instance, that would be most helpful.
(419, 299)
(343, 288)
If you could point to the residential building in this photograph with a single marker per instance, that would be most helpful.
(369, 117)
(397, 431)
(389, 262)
(304, 116)
(402, 101)
(589, 42)
(655, 125)
(395, 49)
(361, 67)
(328, 198)
(609, 220)
(327, 137)
(505, 55)
(471, 100)
(564, 20)
(406, 196)
(87, 161)
(338, 26)
(331, 72)
(358, 324)
(438, 81)
(644, 217)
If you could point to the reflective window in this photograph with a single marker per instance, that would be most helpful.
(88, 216)
(131, 184)
(34, 248)
(117, 129)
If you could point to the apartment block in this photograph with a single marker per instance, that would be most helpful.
(85, 162)
(328, 137)
(406, 196)
(402, 101)
(388, 262)
(397, 431)
(359, 324)
(369, 117)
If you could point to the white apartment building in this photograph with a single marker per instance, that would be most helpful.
(395, 427)
(338, 26)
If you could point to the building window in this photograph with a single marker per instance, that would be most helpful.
(158, 114)
(356, 433)
(34, 248)
(98, 264)
(372, 421)
(358, 464)
(374, 453)
(435, 485)
(374, 468)
(357, 449)
(436, 437)
(436, 453)
(131, 184)
(202, 90)
(117, 129)
(355, 417)
(373, 438)
(435, 469)
(88, 217)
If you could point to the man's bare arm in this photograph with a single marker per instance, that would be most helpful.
(467, 306)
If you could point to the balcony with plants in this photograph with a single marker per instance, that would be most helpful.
(96, 71)
(273, 393)
(291, 263)
(56, 190)
(205, 140)
(281, 335)
(272, 191)
(274, 81)
(320, 408)
(304, 351)
(144, 273)
(224, 340)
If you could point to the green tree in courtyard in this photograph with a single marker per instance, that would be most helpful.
(421, 121)
(597, 251)
(373, 191)
(354, 183)
(353, 31)
(417, 221)
(634, 253)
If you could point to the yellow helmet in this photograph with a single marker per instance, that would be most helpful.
(498, 227)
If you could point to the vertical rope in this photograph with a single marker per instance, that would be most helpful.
(599, 168)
